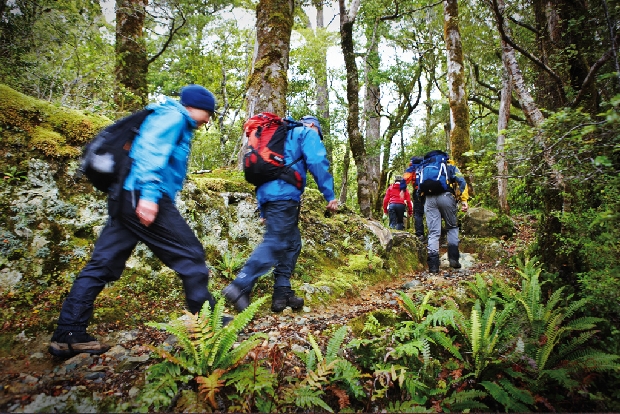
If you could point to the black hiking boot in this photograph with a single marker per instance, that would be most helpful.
(283, 297)
(453, 257)
(433, 262)
(66, 344)
(236, 296)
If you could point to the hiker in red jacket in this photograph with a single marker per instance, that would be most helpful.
(395, 205)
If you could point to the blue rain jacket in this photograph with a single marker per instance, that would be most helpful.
(301, 142)
(160, 152)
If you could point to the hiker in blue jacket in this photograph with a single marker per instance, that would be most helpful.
(442, 204)
(160, 153)
(279, 202)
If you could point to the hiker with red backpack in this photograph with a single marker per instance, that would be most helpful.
(396, 204)
(146, 213)
(279, 203)
(410, 176)
(437, 180)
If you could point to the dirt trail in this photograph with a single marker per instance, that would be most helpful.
(31, 374)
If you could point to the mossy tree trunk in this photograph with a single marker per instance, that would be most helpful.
(502, 125)
(131, 58)
(268, 81)
(459, 110)
(356, 141)
(372, 113)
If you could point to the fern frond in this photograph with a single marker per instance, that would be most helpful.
(226, 337)
(594, 360)
(232, 358)
(464, 400)
(553, 301)
(523, 395)
(575, 306)
(561, 375)
(407, 304)
(210, 385)
(162, 353)
(445, 341)
(411, 348)
(564, 350)
(584, 323)
(487, 320)
(475, 331)
(335, 343)
(305, 397)
(348, 373)
(315, 347)
(441, 316)
(311, 360)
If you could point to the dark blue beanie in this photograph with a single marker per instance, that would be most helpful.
(199, 97)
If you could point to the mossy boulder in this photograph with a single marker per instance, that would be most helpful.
(482, 222)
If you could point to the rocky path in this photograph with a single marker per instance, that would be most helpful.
(33, 381)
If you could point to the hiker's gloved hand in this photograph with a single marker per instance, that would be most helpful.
(384, 216)
(405, 214)
(464, 206)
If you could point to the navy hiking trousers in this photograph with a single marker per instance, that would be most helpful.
(169, 237)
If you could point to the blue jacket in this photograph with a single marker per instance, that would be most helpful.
(301, 142)
(160, 152)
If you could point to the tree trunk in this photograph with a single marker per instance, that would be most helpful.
(372, 114)
(346, 163)
(459, 110)
(502, 125)
(268, 81)
(131, 58)
(322, 90)
(356, 141)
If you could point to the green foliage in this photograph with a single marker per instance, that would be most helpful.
(327, 370)
(483, 331)
(512, 398)
(206, 353)
(230, 262)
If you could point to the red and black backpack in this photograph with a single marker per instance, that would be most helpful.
(264, 158)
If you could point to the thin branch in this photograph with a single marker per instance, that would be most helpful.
(396, 15)
(480, 81)
(171, 34)
(492, 109)
(590, 77)
(524, 25)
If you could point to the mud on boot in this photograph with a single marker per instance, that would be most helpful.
(283, 297)
(65, 344)
(454, 256)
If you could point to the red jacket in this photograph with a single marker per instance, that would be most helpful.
(392, 196)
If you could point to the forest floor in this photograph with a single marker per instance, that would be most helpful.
(33, 381)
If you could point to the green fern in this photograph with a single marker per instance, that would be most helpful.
(206, 351)
(307, 397)
(510, 397)
(465, 400)
(329, 368)
(483, 331)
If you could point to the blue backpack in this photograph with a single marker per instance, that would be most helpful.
(433, 178)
